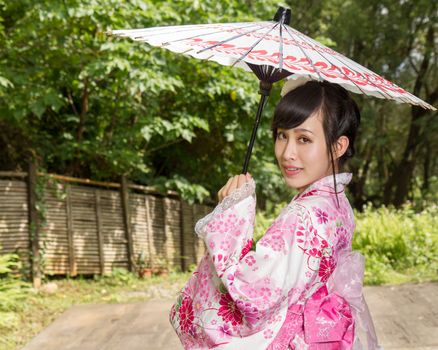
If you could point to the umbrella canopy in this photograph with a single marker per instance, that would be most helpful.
(272, 50)
(274, 44)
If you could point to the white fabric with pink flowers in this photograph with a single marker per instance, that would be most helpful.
(276, 296)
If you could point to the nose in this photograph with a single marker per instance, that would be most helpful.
(289, 151)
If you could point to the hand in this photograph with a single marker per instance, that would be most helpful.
(233, 183)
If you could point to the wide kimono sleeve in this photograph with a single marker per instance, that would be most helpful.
(263, 282)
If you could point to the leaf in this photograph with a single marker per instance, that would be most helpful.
(5, 82)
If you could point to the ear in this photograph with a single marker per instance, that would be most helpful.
(340, 147)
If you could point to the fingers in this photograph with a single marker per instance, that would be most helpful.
(232, 184)
(241, 179)
(222, 192)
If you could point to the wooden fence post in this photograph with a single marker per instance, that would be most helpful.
(127, 222)
(70, 233)
(182, 247)
(34, 225)
(166, 230)
(99, 232)
(149, 230)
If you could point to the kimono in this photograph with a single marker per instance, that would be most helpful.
(301, 288)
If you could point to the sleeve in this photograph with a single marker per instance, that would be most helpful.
(286, 258)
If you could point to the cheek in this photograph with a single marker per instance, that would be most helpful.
(277, 151)
(315, 152)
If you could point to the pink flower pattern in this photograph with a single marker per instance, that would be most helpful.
(275, 242)
(229, 311)
(186, 314)
(326, 268)
(321, 215)
(239, 298)
(342, 238)
(250, 313)
(246, 249)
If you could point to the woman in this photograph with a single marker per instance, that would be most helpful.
(301, 286)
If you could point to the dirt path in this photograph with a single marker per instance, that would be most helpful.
(405, 316)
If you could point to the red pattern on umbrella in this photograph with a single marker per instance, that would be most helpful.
(302, 65)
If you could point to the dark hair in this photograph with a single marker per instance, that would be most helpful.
(340, 113)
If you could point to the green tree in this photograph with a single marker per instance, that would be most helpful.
(90, 105)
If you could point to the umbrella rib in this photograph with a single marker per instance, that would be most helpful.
(354, 70)
(254, 45)
(133, 32)
(141, 36)
(232, 38)
(304, 53)
(363, 92)
(378, 89)
(267, 71)
(280, 59)
(197, 36)
(419, 102)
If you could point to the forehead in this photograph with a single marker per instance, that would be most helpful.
(313, 124)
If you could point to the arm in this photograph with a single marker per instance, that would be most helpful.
(229, 227)
(286, 259)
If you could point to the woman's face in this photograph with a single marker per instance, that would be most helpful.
(303, 147)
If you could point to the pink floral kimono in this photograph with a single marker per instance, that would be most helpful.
(301, 288)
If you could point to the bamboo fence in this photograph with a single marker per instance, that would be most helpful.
(71, 226)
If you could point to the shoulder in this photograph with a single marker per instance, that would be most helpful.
(307, 206)
(326, 202)
(328, 218)
(319, 208)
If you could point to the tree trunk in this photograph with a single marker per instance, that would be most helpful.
(402, 175)
(358, 184)
(81, 128)
(426, 169)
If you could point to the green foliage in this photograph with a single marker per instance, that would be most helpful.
(12, 291)
(399, 244)
(118, 277)
(90, 105)
(264, 219)
(190, 191)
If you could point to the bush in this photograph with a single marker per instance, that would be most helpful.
(399, 245)
(13, 291)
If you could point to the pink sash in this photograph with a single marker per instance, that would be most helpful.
(328, 322)
(330, 317)
(346, 281)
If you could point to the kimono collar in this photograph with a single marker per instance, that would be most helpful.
(326, 184)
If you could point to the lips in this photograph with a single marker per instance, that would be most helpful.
(292, 170)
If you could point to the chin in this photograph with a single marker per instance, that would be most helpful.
(292, 184)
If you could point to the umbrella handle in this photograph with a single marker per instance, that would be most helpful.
(265, 89)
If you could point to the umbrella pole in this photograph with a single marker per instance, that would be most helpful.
(265, 89)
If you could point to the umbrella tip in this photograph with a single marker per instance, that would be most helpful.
(282, 15)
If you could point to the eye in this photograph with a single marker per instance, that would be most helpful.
(280, 135)
(304, 139)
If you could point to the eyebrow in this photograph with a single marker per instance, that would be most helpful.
(299, 129)
(302, 129)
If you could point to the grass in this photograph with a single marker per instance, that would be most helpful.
(37, 309)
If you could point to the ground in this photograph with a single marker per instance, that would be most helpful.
(405, 317)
